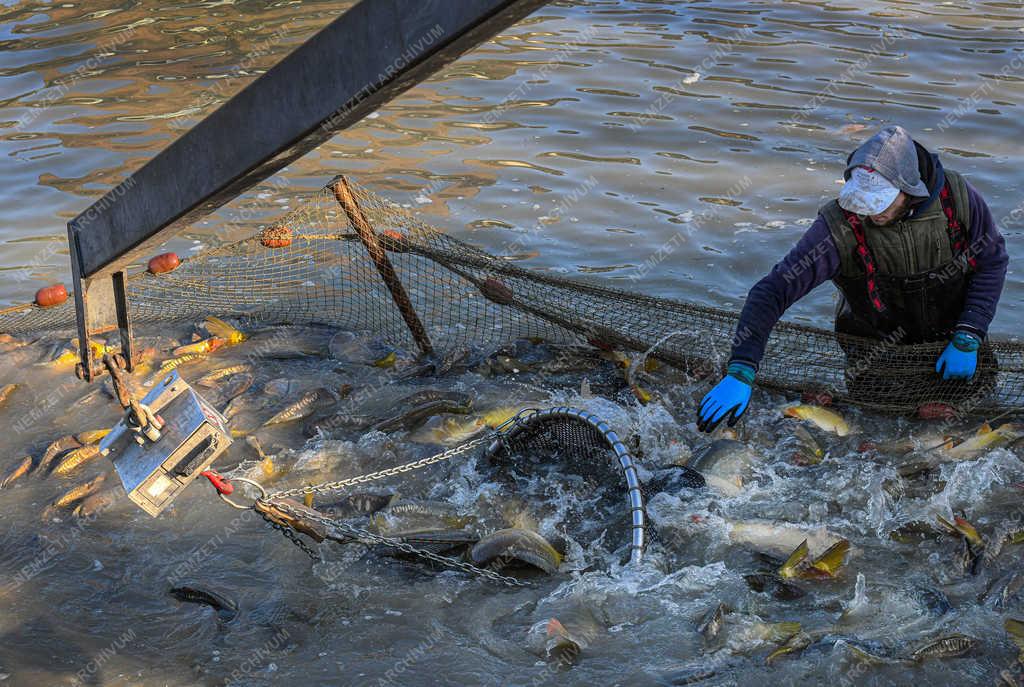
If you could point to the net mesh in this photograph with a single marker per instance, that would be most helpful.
(580, 443)
(312, 267)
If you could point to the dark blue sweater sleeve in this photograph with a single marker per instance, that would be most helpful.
(813, 260)
(986, 283)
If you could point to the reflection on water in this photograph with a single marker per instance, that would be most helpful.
(587, 139)
(664, 105)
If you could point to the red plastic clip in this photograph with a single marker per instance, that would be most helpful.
(219, 483)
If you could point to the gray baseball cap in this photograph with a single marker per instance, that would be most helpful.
(867, 192)
(892, 154)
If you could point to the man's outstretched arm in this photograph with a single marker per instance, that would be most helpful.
(813, 260)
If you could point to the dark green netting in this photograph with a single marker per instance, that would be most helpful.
(467, 297)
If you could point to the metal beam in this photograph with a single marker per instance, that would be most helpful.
(370, 54)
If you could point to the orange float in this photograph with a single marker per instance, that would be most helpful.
(165, 262)
(276, 237)
(49, 296)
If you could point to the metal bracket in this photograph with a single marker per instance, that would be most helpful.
(101, 304)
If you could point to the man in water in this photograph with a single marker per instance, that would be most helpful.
(914, 252)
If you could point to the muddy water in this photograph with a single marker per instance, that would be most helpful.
(716, 131)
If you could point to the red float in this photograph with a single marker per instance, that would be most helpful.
(49, 296)
(165, 262)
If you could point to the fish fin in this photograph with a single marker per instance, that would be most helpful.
(785, 630)
(555, 628)
(641, 394)
(947, 524)
(968, 530)
(789, 568)
(832, 560)
(386, 361)
(1015, 628)
(984, 429)
(220, 328)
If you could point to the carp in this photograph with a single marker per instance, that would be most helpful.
(985, 440)
(726, 465)
(79, 492)
(55, 449)
(302, 408)
(711, 623)
(222, 330)
(75, 458)
(6, 390)
(514, 544)
(226, 608)
(823, 418)
(200, 347)
(17, 471)
(948, 646)
(779, 539)
(211, 378)
(407, 517)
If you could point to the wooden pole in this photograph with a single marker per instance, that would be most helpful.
(343, 194)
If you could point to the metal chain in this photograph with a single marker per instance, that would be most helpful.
(362, 535)
(289, 533)
(387, 472)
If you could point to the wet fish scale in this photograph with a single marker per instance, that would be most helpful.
(75, 458)
(945, 647)
(210, 378)
(516, 544)
(79, 492)
(55, 449)
(302, 408)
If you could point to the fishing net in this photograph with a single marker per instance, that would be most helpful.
(313, 267)
(585, 445)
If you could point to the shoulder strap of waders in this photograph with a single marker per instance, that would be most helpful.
(957, 235)
(866, 258)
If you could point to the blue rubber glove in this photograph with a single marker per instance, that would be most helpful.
(960, 359)
(729, 398)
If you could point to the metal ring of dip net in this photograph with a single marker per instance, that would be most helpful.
(579, 437)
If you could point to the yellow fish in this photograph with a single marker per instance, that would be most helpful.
(76, 457)
(20, 469)
(78, 492)
(497, 416)
(387, 361)
(210, 378)
(821, 417)
(205, 346)
(986, 440)
(219, 328)
(169, 365)
(91, 436)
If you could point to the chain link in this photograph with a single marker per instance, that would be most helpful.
(387, 472)
(365, 536)
(289, 533)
